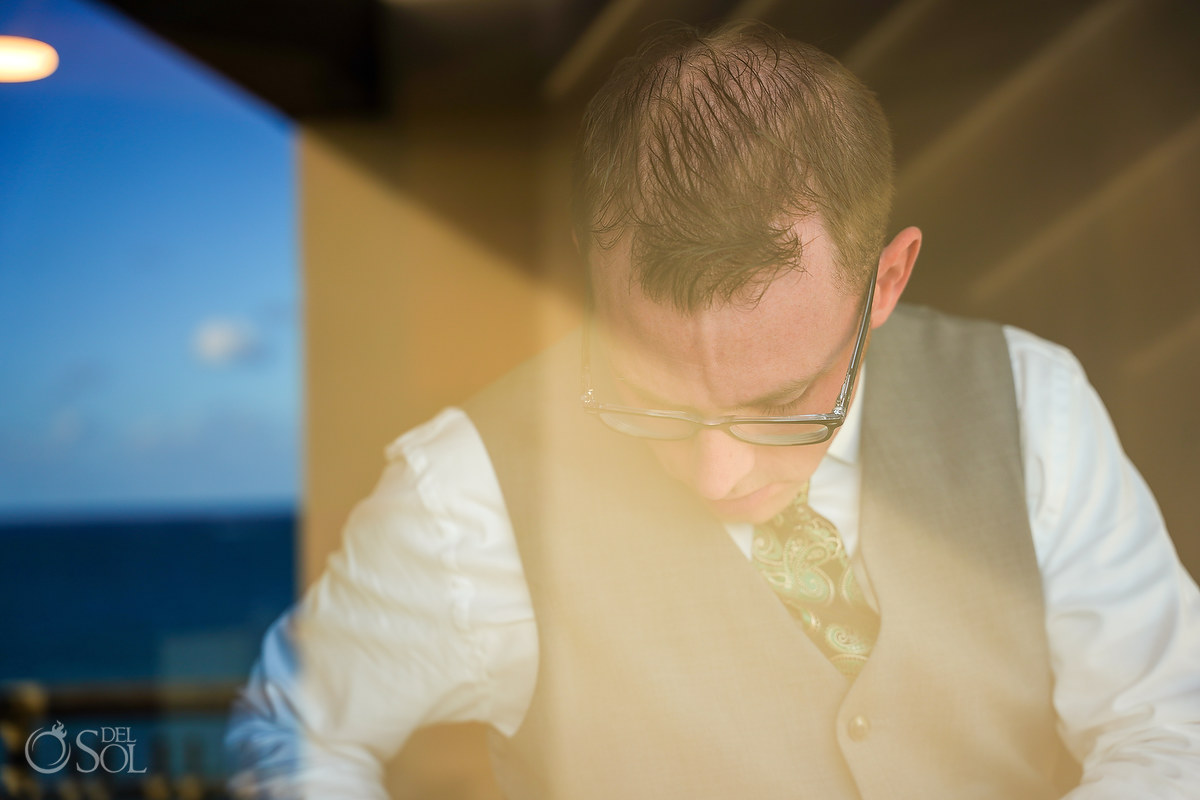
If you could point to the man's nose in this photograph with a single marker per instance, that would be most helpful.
(719, 462)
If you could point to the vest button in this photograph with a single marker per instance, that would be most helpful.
(859, 728)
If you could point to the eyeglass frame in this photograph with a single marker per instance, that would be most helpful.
(831, 421)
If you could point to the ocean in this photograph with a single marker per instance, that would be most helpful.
(143, 598)
(139, 605)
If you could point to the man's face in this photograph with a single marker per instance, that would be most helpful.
(786, 355)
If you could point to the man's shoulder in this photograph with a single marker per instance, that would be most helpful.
(927, 341)
(1045, 374)
(918, 338)
(548, 379)
(1029, 349)
(924, 320)
(531, 409)
(910, 323)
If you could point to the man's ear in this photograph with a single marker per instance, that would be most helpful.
(895, 268)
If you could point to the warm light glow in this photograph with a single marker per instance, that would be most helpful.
(24, 59)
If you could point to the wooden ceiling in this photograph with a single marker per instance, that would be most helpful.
(317, 59)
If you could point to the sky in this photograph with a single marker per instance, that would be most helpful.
(149, 285)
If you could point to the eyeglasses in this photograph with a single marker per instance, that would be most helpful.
(788, 431)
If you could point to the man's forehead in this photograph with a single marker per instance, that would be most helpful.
(795, 303)
(729, 352)
(611, 266)
(811, 296)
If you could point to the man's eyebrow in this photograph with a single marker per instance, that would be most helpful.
(650, 397)
(790, 391)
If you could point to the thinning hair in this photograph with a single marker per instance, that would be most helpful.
(704, 149)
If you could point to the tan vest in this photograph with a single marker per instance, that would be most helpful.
(667, 667)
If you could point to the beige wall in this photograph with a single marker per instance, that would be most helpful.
(405, 312)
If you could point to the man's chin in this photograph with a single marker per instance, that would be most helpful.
(754, 507)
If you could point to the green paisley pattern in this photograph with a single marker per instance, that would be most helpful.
(801, 556)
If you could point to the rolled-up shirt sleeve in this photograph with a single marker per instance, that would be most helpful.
(1122, 614)
(392, 637)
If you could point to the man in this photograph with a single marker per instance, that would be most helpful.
(749, 559)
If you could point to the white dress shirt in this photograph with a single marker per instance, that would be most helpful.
(424, 615)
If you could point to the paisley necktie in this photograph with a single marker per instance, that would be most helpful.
(801, 556)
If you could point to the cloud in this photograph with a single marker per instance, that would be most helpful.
(221, 342)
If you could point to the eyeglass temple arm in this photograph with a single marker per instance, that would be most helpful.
(859, 343)
(586, 393)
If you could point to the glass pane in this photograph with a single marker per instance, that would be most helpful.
(647, 426)
(780, 432)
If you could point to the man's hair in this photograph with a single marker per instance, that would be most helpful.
(704, 148)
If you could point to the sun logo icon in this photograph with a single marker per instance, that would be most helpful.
(58, 732)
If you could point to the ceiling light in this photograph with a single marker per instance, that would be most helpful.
(24, 59)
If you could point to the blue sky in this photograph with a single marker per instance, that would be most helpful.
(149, 308)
